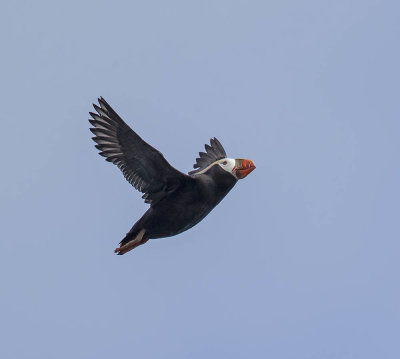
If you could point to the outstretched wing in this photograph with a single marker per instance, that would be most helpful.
(213, 153)
(143, 166)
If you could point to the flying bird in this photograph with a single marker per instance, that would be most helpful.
(177, 201)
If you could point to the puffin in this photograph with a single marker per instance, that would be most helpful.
(178, 201)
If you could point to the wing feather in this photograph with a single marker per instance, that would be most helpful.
(143, 166)
(213, 153)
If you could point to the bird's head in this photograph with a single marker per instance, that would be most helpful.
(238, 167)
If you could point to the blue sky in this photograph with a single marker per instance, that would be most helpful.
(299, 261)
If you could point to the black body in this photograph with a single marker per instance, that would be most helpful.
(190, 202)
(177, 201)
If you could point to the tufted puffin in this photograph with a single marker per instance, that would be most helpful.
(177, 201)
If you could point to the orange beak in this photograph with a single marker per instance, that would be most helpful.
(244, 167)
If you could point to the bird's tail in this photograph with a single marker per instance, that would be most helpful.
(131, 241)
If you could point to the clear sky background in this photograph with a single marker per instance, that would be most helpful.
(301, 260)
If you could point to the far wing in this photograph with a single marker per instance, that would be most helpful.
(213, 153)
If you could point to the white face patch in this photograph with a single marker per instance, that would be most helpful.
(228, 164)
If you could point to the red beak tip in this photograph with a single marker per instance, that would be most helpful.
(246, 166)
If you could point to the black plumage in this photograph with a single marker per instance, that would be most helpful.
(177, 201)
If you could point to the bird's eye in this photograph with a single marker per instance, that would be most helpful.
(225, 163)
